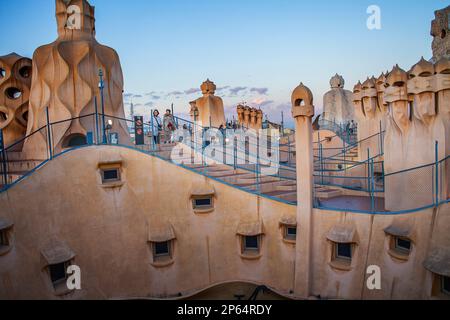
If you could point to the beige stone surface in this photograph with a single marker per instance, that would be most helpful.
(250, 118)
(369, 118)
(108, 231)
(210, 107)
(412, 109)
(414, 126)
(337, 103)
(65, 79)
(15, 83)
(440, 28)
(302, 112)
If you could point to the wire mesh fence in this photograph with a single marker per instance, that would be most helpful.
(399, 192)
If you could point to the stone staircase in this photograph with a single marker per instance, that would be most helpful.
(283, 187)
(244, 177)
(17, 167)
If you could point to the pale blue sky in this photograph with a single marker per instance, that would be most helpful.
(266, 45)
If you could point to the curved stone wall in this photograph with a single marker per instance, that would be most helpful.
(108, 228)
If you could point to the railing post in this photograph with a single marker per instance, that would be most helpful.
(203, 148)
(97, 132)
(152, 129)
(368, 170)
(4, 164)
(224, 147)
(436, 152)
(369, 178)
(321, 162)
(102, 86)
(345, 156)
(381, 139)
(289, 150)
(195, 146)
(49, 135)
(235, 153)
(258, 182)
(372, 185)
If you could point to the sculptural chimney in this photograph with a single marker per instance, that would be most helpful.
(66, 81)
(303, 111)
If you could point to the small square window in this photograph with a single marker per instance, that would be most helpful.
(202, 203)
(58, 273)
(162, 251)
(402, 245)
(343, 251)
(251, 245)
(445, 285)
(290, 233)
(110, 175)
(4, 242)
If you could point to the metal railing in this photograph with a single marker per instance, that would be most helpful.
(100, 131)
(371, 191)
(378, 192)
(347, 133)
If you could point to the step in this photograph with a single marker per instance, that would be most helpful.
(221, 174)
(288, 196)
(283, 185)
(234, 178)
(291, 197)
(249, 181)
(277, 193)
(328, 193)
(217, 168)
(287, 188)
(195, 166)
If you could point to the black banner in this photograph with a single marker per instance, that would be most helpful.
(232, 310)
(139, 130)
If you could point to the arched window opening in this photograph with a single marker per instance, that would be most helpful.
(399, 84)
(13, 93)
(75, 140)
(3, 116)
(25, 72)
(299, 103)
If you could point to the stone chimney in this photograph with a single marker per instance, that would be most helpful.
(440, 28)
